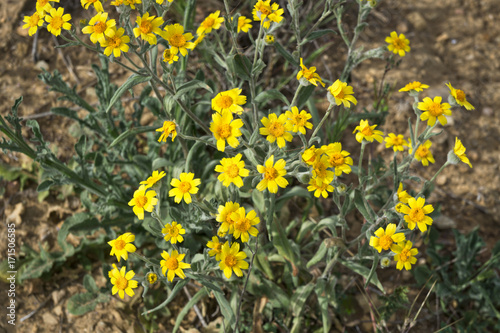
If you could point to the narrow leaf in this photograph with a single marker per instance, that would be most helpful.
(132, 81)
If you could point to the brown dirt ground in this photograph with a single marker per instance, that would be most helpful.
(453, 41)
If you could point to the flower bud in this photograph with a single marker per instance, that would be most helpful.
(385, 262)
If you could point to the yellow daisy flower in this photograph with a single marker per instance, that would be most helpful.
(116, 44)
(459, 152)
(415, 85)
(384, 240)
(169, 57)
(225, 216)
(265, 12)
(178, 40)
(398, 44)
(341, 93)
(398, 207)
(122, 282)
(121, 246)
(172, 265)
(367, 132)
(33, 22)
(320, 170)
(415, 213)
(57, 20)
(459, 97)
(311, 155)
(244, 224)
(229, 100)
(319, 187)
(216, 248)
(405, 255)
(225, 129)
(130, 3)
(97, 5)
(44, 6)
(155, 177)
(434, 110)
(167, 128)
(172, 232)
(299, 121)
(152, 278)
(402, 196)
(184, 187)
(232, 259)
(272, 175)
(99, 27)
(212, 22)
(143, 201)
(147, 27)
(232, 170)
(308, 76)
(423, 153)
(396, 142)
(244, 24)
(269, 39)
(337, 158)
(277, 129)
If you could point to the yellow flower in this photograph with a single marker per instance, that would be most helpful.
(266, 13)
(44, 6)
(384, 240)
(97, 5)
(232, 259)
(299, 121)
(269, 39)
(143, 201)
(130, 3)
(212, 22)
(178, 40)
(232, 169)
(402, 196)
(216, 248)
(277, 129)
(99, 27)
(273, 175)
(341, 93)
(319, 187)
(225, 129)
(423, 153)
(459, 97)
(116, 44)
(147, 27)
(415, 213)
(337, 158)
(405, 255)
(396, 142)
(244, 24)
(229, 100)
(434, 110)
(398, 207)
(184, 187)
(308, 76)
(459, 151)
(169, 57)
(152, 278)
(415, 85)
(122, 282)
(398, 45)
(167, 128)
(121, 247)
(198, 40)
(244, 224)
(57, 20)
(160, 2)
(311, 155)
(225, 216)
(172, 265)
(155, 177)
(33, 22)
(173, 232)
(320, 170)
(367, 132)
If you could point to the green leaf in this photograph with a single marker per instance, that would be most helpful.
(242, 66)
(204, 280)
(363, 271)
(45, 185)
(360, 205)
(191, 86)
(67, 45)
(317, 34)
(225, 308)
(192, 302)
(270, 95)
(80, 304)
(259, 66)
(304, 96)
(132, 132)
(286, 54)
(318, 256)
(89, 284)
(132, 81)
(300, 297)
(323, 302)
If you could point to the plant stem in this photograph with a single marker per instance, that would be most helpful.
(330, 108)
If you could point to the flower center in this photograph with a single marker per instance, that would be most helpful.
(173, 232)
(398, 207)
(336, 159)
(218, 247)
(460, 95)
(177, 40)
(167, 55)
(100, 27)
(300, 120)
(422, 151)
(184, 187)
(56, 22)
(43, 2)
(367, 131)
(208, 23)
(404, 255)
(172, 264)
(33, 21)
(271, 173)
(320, 169)
(141, 201)
(243, 225)
(308, 74)
(385, 242)
(277, 129)
(120, 244)
(224, 131)
(435, 109)
(398, 43)
(121, 283)
(265, 10)
(397, 141)
(417, 214)
(340, 95)
(152, 277)
(225, 102)
(114, 42)
(229, 219)
(230, 261)
(233, 171)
